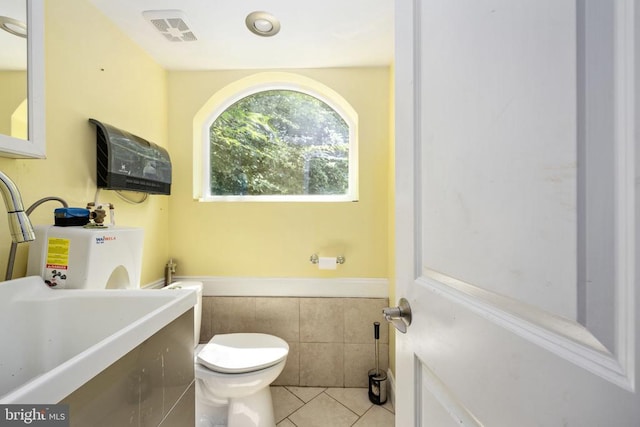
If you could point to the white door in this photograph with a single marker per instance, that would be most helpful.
(517, 212)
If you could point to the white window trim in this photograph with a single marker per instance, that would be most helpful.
(242, 88)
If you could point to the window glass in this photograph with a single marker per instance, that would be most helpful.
(280, 143)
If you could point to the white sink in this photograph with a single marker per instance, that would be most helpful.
(53, 341)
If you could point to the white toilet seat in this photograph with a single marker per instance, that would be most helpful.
(242, 352)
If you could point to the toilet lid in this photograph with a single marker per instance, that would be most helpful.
(236, 353)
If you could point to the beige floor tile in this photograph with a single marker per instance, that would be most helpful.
(285, 423)
(356, 399)
(388, 405)
(376, 416)
(306, 394)
(284, 403)
(323, 411)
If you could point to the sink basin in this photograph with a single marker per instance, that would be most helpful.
(53, 341)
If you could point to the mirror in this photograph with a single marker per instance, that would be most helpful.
(22, 79)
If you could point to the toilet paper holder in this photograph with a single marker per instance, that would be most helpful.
(315, 259)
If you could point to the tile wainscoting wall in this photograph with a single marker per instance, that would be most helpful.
(330, 339)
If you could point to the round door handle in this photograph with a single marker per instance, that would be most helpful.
(399, 316)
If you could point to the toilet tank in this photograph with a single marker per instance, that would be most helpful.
(197, 309)
(87, 258)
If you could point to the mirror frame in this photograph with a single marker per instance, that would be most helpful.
(34, 147)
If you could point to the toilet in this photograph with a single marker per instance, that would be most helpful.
(233, 374)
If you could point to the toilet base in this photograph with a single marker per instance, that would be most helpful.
(208, 415)
(255, 410)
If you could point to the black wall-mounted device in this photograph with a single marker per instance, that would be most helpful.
(128, 162)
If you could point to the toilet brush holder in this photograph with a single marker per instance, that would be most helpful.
(377, 379)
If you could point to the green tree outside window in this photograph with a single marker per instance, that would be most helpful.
(279, 142)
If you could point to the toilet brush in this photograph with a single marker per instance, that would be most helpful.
(377, 379)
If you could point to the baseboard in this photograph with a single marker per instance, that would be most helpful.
(391, 391)
(157, 284)
(287, 287)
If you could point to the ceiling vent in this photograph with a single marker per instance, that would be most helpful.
(172, 24)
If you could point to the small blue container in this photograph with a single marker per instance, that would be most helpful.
(65, 217)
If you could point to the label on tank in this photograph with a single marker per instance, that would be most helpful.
(57, 266)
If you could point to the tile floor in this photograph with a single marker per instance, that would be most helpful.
(323, 407)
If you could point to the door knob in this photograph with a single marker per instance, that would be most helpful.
(399, 316)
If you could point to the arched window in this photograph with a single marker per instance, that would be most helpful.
(279, 140)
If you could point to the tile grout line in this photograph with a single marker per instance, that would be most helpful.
(314, 398)
(300, 407)
(300, 398)
(325, 390)
(341, 404)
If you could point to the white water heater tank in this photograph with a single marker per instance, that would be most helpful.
(87, 258)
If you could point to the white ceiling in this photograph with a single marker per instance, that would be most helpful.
(314, 34)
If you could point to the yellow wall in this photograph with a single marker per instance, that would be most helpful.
(92, 71)
(103, 75)
(263, 239)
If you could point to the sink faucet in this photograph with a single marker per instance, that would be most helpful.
(14, 246)
(19, 224)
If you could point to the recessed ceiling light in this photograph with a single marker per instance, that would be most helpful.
(13, 26)
(262, 24)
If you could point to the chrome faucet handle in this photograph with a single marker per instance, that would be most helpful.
(399, 316)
